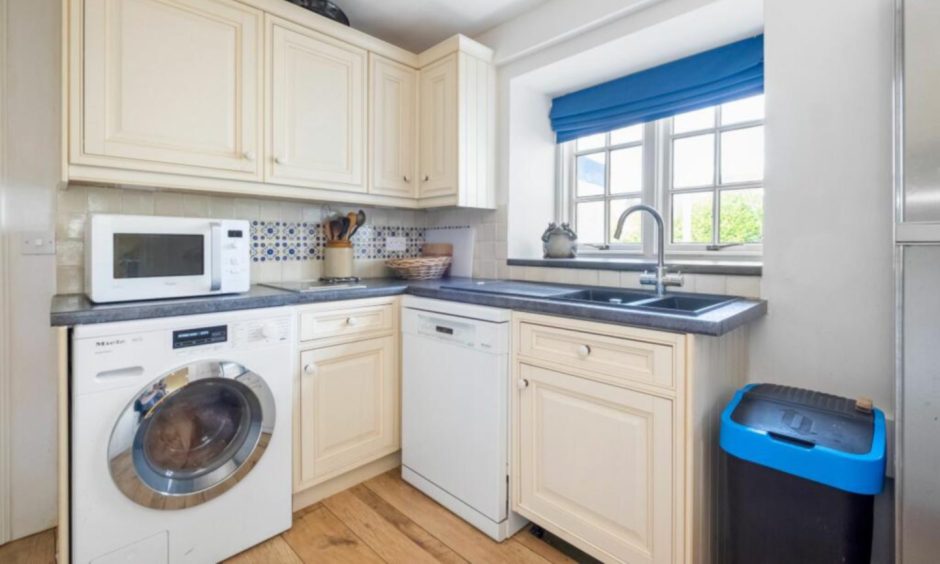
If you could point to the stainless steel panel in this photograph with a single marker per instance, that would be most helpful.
(921, 110)
(919, 472)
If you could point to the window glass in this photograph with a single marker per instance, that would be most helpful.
(632, 134)
(591, 142)
(693, 161)
(626, 170)
(742, 155)
(692, 217)
(694, 121)
(590, 222)
(742, 216)
(592, 173)
(740, 111)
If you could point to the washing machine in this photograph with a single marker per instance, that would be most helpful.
(180, 436)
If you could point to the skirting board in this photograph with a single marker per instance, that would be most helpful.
(352, 478)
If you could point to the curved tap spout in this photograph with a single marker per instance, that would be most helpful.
(661, 279)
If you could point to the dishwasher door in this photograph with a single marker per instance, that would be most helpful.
(455, 392)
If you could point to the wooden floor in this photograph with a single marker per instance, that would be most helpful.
(381, 520)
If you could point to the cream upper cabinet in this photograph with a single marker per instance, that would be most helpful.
(438, 117)
(316, 110)
(393, 127)
(347, 409)
(169, 86)
(597, 461)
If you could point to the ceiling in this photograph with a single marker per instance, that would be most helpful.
(418, 24)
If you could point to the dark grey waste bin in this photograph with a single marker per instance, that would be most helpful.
(803, 468)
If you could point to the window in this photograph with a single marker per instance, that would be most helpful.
(703, 170)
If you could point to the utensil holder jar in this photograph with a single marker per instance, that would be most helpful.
(338, 257)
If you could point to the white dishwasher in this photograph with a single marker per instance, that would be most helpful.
(455, 410)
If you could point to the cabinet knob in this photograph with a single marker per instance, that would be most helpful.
(405, 178)
(280, 160)
(426, 178)
(523, 384)
(310, 369)
(249, 155)
(584, 351)
(352, 321)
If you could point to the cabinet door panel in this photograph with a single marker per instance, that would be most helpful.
(394, 101)
(173, 86)
(596, 461)
(317, 110)
(349, 396)
(438, 133)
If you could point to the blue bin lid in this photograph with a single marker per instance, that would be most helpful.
(816, 436)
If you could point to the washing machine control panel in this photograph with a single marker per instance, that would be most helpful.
(241, 335)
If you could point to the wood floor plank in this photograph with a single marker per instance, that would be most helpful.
(319, 537)
(542, 548)
(459, 535)
(271, 551)
(34, 549)
(418, 535)
(383, 537)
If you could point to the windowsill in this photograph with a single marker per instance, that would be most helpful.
(688, 266)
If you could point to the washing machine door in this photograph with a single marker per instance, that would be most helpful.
(191, 435)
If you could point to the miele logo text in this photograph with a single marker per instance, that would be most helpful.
(110, 343)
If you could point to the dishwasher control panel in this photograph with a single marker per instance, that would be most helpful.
(471, 333)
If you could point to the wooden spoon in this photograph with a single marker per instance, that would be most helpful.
(353, 222)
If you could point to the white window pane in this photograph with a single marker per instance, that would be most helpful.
(592, 174)
(694, 121)
(739, 111)
(742, 155)
(626, 170)
(590, 217)
(742, 216)
(632, 134)
(632, 228)
(591, 142)
(692, 217)
(693, 161)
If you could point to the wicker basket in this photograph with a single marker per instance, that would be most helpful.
(420, 268)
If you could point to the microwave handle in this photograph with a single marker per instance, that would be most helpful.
(216, 257)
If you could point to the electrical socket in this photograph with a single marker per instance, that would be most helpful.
(396, 244)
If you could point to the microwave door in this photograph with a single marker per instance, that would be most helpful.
(150, 256)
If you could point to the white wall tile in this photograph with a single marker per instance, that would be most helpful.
(104, 200)
(747, 286)
(70, 280)
(137, 202)
(222, 207)
(587, 277)
(168, 204)
(630, 279)
(710, 284)
(608, 278)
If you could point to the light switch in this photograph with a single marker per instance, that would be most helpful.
(37, 243)
(396, 244)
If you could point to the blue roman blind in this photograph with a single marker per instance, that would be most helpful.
(707, 79)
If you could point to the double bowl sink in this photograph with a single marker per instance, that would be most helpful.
(675, 304)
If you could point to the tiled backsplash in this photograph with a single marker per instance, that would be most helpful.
(290, 238)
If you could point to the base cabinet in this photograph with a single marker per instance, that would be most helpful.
(597, 461)
(348, 408)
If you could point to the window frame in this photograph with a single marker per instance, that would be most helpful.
(656, 190)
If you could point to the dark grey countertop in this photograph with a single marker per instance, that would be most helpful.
(72, 309)
(733, 268)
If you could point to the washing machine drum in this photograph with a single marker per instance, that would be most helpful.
(191, 435)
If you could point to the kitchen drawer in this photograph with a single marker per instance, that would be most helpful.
(346, 319)
(614, 359)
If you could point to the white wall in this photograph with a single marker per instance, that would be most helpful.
(828, 251)
(31, 146)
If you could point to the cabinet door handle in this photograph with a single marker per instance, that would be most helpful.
(310, 369)
(584, 351)
(522, 384)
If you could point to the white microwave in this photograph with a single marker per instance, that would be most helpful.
(134, 257)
